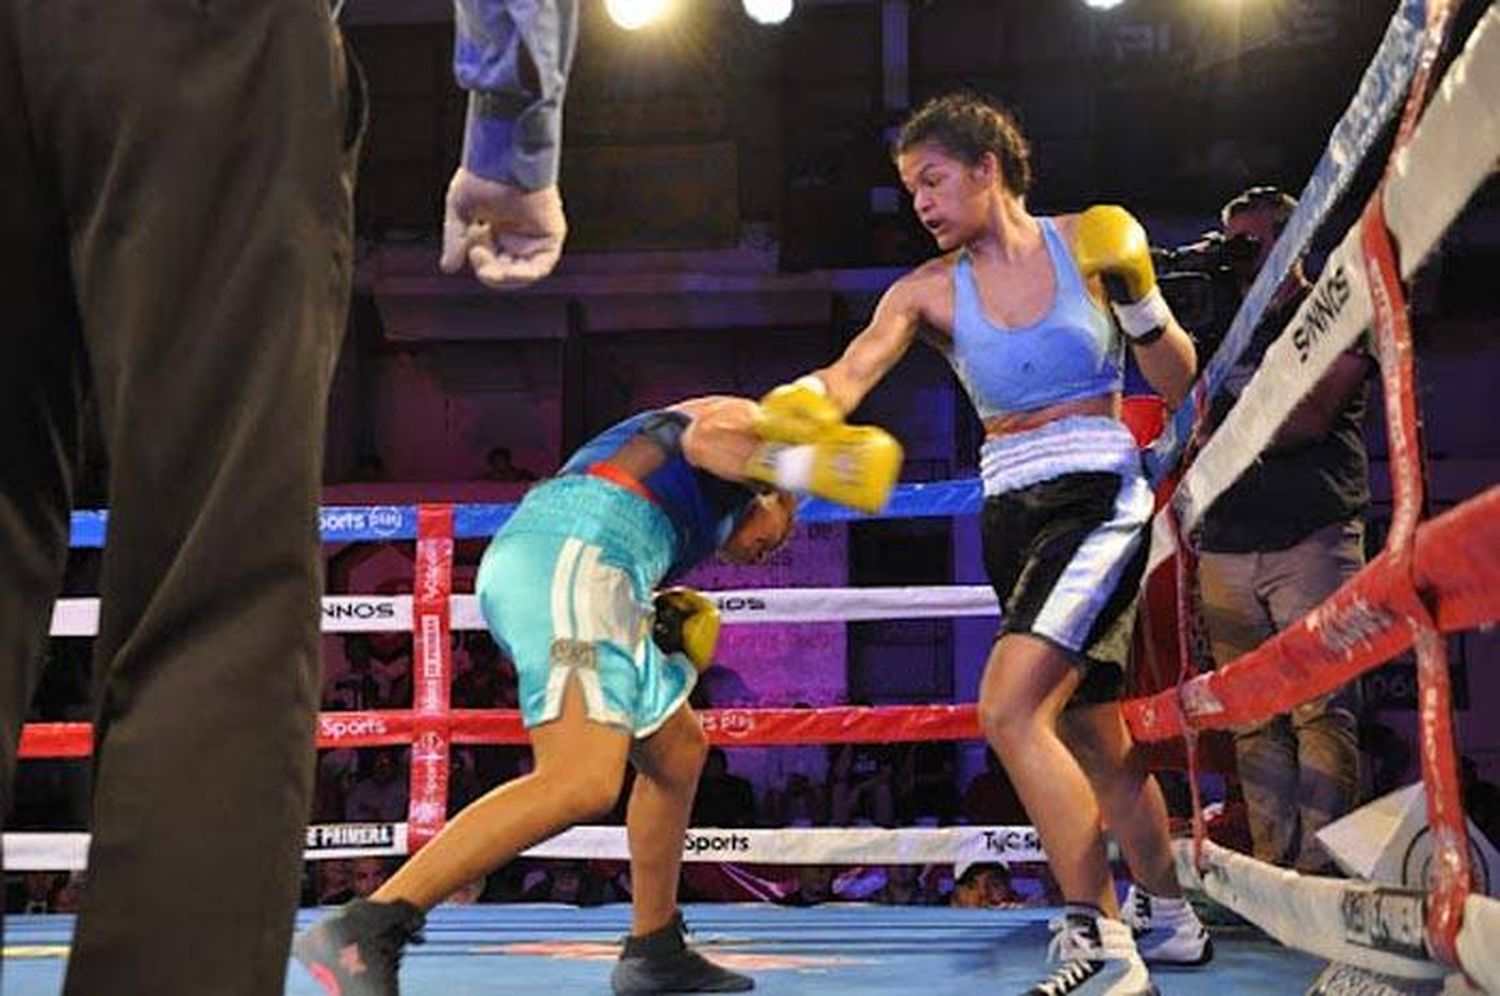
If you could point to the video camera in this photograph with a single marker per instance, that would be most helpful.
(1211, 253)
(1199, 282)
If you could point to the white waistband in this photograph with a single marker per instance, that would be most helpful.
(1078, 444)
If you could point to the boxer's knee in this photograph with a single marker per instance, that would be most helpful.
(1008, 724)
(587, 794)
(674, 756)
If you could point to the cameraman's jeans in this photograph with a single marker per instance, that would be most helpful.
(1299, 770)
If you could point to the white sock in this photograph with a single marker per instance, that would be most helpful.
(1166, 904)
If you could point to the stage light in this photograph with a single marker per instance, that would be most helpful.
(634, 14)
(1104, 4)
(768, 11)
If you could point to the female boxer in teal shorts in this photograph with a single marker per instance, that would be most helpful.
(604, 672)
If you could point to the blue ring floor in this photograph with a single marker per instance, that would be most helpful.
(822, 950)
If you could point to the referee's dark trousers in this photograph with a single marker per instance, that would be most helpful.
(175, 236)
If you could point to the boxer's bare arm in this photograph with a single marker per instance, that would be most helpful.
(720, 438)
(882, 343)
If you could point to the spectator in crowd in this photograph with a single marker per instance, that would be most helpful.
(911, 885)
(572, 884)
(1282, 539)
(40, 887)
(483, 677)
(968, 888)
(927, 792)
(986, 885)
(508, 884)
(69, 897)
(990, 799)
(563, 881)
(367, 874)
(380, 794)
(861, 784)
(796, 784)
(799, 803)
(393, 678)
(357, 687)
(334, 881)
(723, 799)
(813, 884)
(335, 779)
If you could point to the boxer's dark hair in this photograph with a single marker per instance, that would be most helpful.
(967, 125)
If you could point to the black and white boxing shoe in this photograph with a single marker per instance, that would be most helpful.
(1167, 931)
(1096, 956)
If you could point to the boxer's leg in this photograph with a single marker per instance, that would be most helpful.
(656, 958)
(667, 765)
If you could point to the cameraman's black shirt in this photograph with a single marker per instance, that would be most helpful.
(1292, 491)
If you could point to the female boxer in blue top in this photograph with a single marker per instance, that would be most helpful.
(1020, 306)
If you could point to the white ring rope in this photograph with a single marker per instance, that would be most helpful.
(962, 846)
(1375, 927)
(393, 613)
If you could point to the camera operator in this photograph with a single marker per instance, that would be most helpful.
(1276, 544)
(1201, 281)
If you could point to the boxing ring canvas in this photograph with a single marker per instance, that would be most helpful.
(830, 949)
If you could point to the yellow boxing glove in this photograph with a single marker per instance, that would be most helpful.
(686, 623)
(1110, 244)
(853, 465)
(798, 412)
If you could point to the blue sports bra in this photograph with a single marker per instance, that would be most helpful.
(1071, 352)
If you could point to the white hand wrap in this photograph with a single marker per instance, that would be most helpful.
(813, 383)
(1145, 320)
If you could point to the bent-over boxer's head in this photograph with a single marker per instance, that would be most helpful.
(955, 153)
(762, 530)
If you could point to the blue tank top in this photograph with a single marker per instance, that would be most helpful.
(1071, 352)
(703, 508)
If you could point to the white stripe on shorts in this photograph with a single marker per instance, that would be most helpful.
(1089, 581)
(578, 581)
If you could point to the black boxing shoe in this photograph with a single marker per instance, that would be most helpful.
(357, 950)
(662, 962)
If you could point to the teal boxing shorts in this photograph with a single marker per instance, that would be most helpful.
(565, 587)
